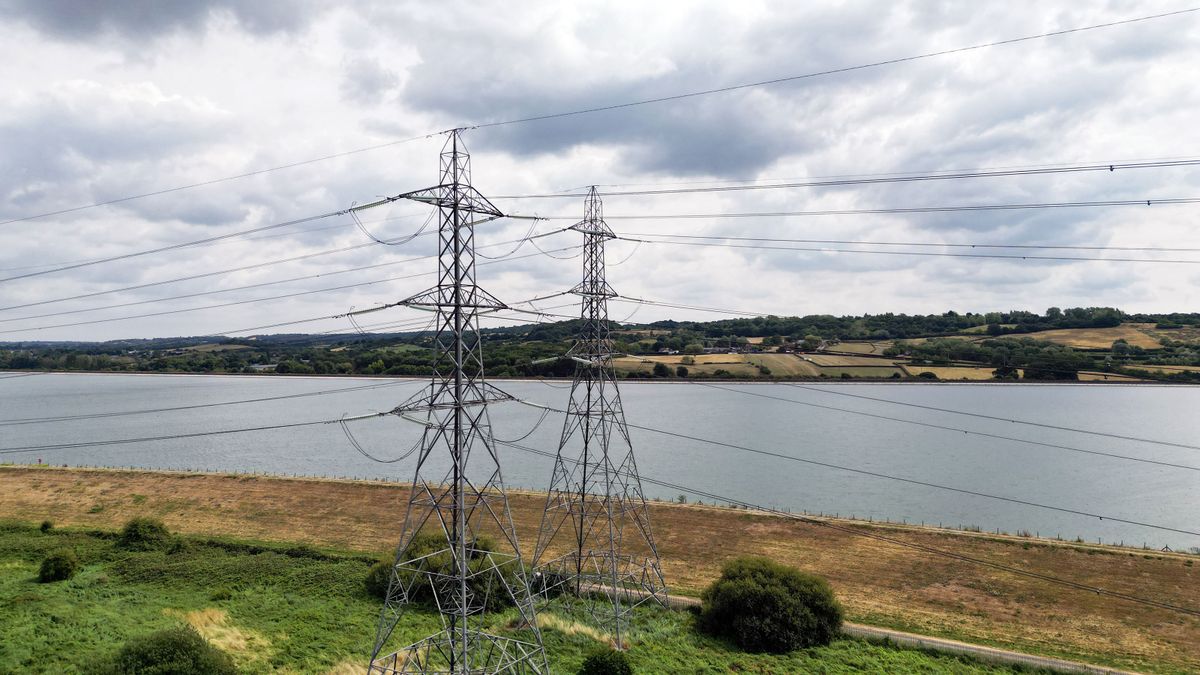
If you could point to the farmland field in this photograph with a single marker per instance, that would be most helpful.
(1089, 376)
(1099, 338)
(787, 365)
(863, 347)
(952, 372)
(837, 360)
(862, 371)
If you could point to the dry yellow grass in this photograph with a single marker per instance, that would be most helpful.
(879, 582)
(213, 624)
(1099, 338)
(1166, 369)
(952, 372)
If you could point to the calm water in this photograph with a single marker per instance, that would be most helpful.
(1107, 486)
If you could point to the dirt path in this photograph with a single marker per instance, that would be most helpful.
(880, 584)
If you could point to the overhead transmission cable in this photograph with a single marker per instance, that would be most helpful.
(168, 312)
(929, 425)
(897, 210)
(932, 550)
(994, 173)
(937, 254)
(901, 479)
(22, 421)
(997, 418)
(934, 244)
(628, 104)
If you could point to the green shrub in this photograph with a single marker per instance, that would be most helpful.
(378, 578)
(58, 566)
(144, 534)
(432, 547)
(606, 661)
(763, 606)
(174, 651)
(47, 526)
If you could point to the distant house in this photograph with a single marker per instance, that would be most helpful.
(263, 367)
(665, 350)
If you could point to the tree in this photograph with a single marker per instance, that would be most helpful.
(811, 342)
(661, 370)
(767, 607)
(681, 371)
(693, 348)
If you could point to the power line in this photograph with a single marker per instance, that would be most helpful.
(171, 247)
(630, 104)
(22, 421)
(165, 437)
(855, 242)
(911, 178)
(861, 532)
(913, 481)
(937, 254)
(903, 210)
(1000, 419)
(955, 429)
(243, 268)
(327, 289)
(834, 71)
(213, 181)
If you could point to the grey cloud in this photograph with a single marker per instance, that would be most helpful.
(366, 80)
(88, 19)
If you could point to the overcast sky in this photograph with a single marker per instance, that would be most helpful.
(112, 98)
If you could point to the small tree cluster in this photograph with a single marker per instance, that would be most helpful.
(763, 606)
(438, 560)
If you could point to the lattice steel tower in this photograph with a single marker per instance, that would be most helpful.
(595, 485)
(463, 502)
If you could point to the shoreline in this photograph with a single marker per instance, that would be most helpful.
(666, 380)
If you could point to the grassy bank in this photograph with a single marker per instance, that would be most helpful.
(299, 610)
(880, 583)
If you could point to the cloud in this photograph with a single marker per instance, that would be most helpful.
(77, 20)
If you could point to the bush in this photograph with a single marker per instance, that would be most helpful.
(763, 606)
(378, 578)
(47, 526)
(175, 651)
(58, 566)
(433, 545)
(606, 662)
(144, 534)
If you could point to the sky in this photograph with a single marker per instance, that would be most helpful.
(111, 99)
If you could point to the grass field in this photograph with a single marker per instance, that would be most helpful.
(879, 583)
(294, 609)
(1164, 369)
(787, 365)
(862, 371)
(1090, 376)
(839, 360)
(1099, 338)
(862, 347)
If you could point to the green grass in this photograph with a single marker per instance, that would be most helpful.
(306, 611)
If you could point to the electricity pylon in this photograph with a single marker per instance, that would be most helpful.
(467, 575)
(595, 485)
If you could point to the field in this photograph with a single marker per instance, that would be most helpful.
(1089, 376)
(839, 360)
(1163, 369)
(1099, 338)
(862, 347)
(291, 608)
(880, 583)
(953, 372)
(740, 365)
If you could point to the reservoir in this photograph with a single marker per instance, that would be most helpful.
(921, 453)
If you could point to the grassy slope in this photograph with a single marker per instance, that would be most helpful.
(290, 610)
(879, 583)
